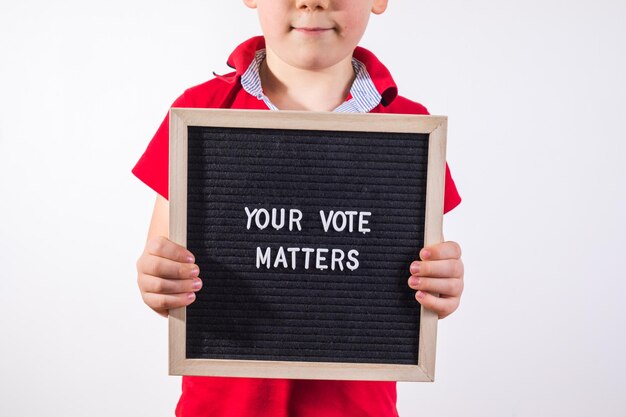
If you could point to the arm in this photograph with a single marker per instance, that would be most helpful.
(440, 271)
(166, 273)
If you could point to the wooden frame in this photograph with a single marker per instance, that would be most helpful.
(434, 126)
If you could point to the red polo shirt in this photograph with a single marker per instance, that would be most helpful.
(239, 397)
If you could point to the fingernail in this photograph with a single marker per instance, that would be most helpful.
(191, 296)
(414, 282)
(191, 259)
(197, 284)
(195, 271)
(415, 268)
(425, 254)
(419, 295)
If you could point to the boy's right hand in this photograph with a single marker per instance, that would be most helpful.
(167, 275)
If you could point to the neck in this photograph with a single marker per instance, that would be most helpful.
(292, 88)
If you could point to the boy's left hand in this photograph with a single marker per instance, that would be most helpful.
(440, 271)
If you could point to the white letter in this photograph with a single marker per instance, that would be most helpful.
(280, 258)
(343, 224)
(263, 258)
(250, 216)
(307, 256)
(320, 258)
(293, 219)
(352, 257)
(335, 258)
(351, 215)
(326, 221)
(267, 219)
(363, 222)
(282, 219)
(293, 256)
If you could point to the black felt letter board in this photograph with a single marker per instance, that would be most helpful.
(245, 312)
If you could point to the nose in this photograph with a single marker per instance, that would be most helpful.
(312, 4)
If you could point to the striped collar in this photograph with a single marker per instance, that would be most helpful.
(363, 94)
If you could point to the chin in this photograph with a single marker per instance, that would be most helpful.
(313, 61)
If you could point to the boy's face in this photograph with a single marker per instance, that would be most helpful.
(314, 34)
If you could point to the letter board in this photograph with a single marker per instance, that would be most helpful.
(304, 226)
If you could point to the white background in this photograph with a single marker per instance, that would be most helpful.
(535, 91)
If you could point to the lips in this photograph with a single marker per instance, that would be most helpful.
(311, 29)
(312, 32)
(315, 29)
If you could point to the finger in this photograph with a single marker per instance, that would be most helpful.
(166, 268)
(163, 247)
(157, 285)
(164, 302)
(445, 287)
(440, 305)
(449, 268)
(443, 250)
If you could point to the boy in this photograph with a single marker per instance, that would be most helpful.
(308, 59)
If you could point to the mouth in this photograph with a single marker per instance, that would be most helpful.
(311, 29)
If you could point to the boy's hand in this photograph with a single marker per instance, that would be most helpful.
(440, 272)
(167, 275)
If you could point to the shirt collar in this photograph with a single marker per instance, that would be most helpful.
(241, 58)
(363, 94)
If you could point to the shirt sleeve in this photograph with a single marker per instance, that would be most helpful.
(451, 197)
(153, 166)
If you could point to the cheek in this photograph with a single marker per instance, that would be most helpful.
(353, 24)
(273, 19)
(353, 20)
